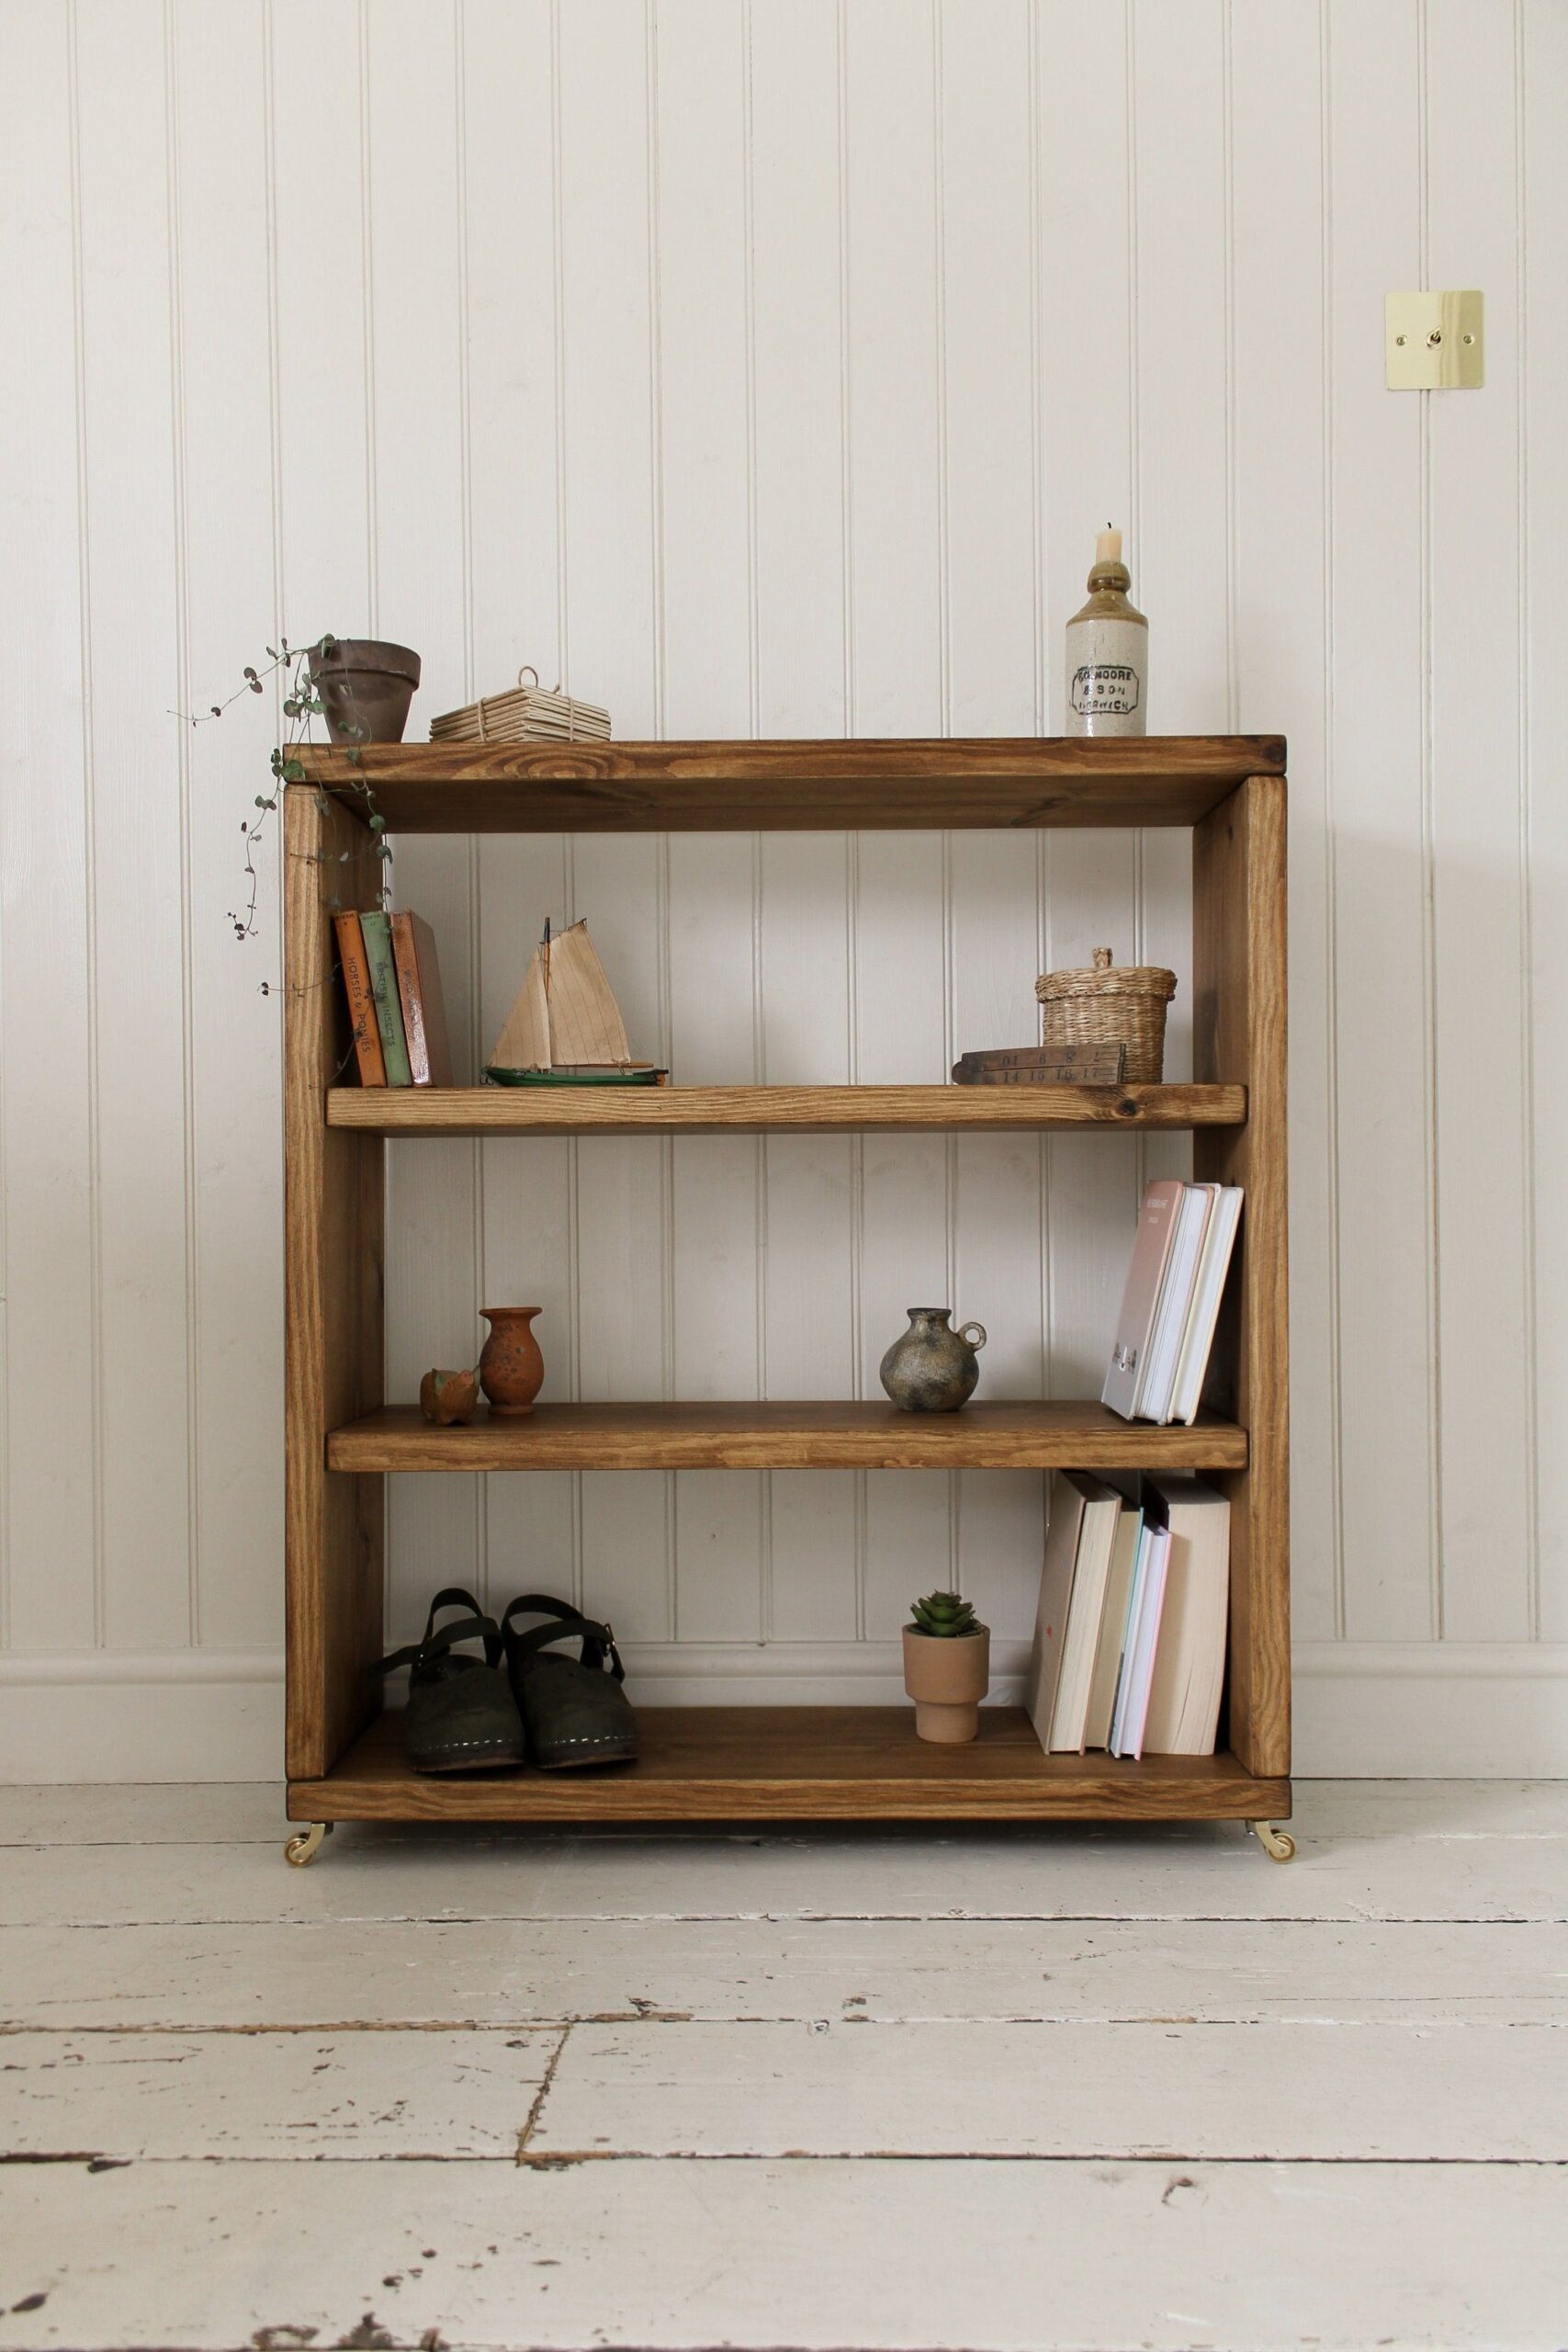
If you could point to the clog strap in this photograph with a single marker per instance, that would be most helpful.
(598, 1641)
(474, 1625)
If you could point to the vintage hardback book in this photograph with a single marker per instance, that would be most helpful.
(418, 993)
(1043, 1066)
(356, 970)
(378, 930)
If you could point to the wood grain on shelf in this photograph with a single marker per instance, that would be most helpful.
(818, 786)
(785, 1436)
(1239, 1034)
(761, 1110)
(796, 1763)
(332, 1277)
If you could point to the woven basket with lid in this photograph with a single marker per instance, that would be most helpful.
(1111, 1005)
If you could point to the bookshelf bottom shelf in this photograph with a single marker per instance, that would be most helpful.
(798, 1764)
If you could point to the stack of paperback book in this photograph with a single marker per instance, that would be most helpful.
(1175, 1283)
(1130, 1638)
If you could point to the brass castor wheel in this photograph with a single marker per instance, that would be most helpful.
(1277, 1844)
(306, 1844)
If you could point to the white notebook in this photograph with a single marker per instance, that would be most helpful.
(1143, 1639)
(1067, 1503)
(1159, 1377)
(1097, 1538)
(1113, 1628)
(1219, 1241)
(1189, 1659)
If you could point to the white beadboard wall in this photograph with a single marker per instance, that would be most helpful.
(765, 368)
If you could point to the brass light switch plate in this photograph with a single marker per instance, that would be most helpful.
(1433, 342)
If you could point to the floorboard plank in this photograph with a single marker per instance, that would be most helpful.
(352, 2095)
(1339, 2092)
(449, 1974)
(674, 2255)
(1207, 1870)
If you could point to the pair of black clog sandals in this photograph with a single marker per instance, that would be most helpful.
(521, 1700)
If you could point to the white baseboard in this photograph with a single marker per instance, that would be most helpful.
(1430, 1710)
(153, 1715)
(1363, 1710)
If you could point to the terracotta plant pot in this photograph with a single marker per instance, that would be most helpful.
(947, 1679)
(511, 1369)
(365, 688)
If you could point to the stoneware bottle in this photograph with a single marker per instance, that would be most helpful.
(1108, 652)
(511, 1369)
(932, 1369)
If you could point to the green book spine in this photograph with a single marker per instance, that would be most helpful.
(378, 931)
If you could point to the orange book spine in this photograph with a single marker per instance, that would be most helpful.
(361, 1003)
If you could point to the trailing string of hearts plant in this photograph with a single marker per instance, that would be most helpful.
(290, 664)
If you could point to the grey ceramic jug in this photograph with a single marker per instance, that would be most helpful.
(930, 1368)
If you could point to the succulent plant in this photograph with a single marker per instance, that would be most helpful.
(944, 1614)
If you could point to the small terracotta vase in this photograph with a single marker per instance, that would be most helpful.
(930, 1369)
(947, 1680)
(511, 1369)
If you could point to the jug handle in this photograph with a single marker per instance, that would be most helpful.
(964, 1332)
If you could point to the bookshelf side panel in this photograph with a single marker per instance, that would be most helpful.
(333, 1270)
(1238, 885)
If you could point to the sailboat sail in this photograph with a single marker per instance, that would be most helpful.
(525, 1041)
(566, 1012)
(586, 1027)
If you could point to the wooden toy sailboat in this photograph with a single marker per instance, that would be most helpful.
(565, 1028)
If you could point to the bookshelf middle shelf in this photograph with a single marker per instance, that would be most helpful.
(1022, 1434)
(772, 1110)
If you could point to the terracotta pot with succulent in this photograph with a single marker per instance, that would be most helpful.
(947, 1667)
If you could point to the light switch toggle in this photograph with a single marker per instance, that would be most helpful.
(1432, 342)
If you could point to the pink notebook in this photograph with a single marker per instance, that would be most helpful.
(1140, 1300)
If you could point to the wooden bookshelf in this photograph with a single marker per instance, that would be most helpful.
(865, 786)
(798, 1764)
(773, 1436)
(774, 1110)
(343, 1435)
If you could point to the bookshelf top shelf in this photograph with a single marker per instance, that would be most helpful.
(864, 783)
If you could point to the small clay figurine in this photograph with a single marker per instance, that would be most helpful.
(448, 1397)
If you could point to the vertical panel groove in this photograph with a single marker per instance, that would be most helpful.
(182, 673)
(1330, 945)
(89, 810)
(466, 526)
(1527, 908)
(367, 282)
(1428, 909)
(1227, 120)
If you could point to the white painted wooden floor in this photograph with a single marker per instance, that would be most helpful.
(1075, 2088)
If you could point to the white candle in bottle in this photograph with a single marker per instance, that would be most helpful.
(1108, 651)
